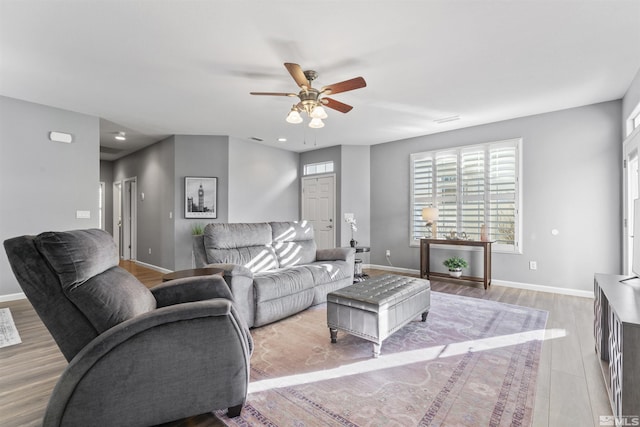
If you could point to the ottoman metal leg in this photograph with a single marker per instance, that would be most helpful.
(376, 350)
(334, 335)
(424, 316)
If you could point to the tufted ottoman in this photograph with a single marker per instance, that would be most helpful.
(376, 308)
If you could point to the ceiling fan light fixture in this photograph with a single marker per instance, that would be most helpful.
(294, 116)
(318, 112)
(311, 101)
(316, 123)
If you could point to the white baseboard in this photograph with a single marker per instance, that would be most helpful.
(12, 297)
(153, 267)
(543, 288)
(497, 282)
(391, 268)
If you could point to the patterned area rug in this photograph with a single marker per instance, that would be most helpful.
(472, 363)
(8, 332)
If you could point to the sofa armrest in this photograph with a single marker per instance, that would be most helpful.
(232, 270)
(114, 374)
(336, 254)
(199, 254)
(191, 289)
(240, 280)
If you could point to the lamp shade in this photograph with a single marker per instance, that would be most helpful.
(430, 214)
(318, 113)
(316, 123)
(294, 116)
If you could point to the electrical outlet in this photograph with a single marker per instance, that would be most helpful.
(533, 265)
(149, 251)
(388, 253)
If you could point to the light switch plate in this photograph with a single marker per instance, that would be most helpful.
(83, 214)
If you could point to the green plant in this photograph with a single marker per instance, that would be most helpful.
(197, 229)
(455, 263)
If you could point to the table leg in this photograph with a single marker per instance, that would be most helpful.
(487, 266)
(427, 260)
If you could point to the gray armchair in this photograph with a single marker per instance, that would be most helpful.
(137, 357)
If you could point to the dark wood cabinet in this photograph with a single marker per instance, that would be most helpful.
(425, 258)
(616, 329)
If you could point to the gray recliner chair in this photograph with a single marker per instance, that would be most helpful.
(137, 356)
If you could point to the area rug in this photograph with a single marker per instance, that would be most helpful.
(8, 332)
(472, 363)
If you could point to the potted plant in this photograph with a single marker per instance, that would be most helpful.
(455, 265)
(197, 229)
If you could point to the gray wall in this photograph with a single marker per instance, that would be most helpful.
(160, 170)
(571, 182)
(355, 196)
(197, 155)
(43, 183)
(263, 183)
(153, 169)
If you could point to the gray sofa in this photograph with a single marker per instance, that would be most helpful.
(274, 269)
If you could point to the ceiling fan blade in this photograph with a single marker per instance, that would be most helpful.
(298, 75)
(355, 83)
(273, 93)
(336, 105)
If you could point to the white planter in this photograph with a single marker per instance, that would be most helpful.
(455, 273)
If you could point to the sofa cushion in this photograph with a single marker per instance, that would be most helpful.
(77, 255)
(293, 242)
(238, 235)
(248, 245)
(329, 271)
(276, 309)
(86, 263)
(280, 283)
(255, 258)
(111, 298)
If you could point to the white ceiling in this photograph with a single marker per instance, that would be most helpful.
(156, 68)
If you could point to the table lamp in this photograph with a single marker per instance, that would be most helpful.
(430, 217)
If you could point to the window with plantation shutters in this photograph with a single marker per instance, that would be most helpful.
(473, 187)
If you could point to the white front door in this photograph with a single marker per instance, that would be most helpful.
(631, 192)
(318, 207)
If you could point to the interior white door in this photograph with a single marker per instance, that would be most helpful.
(129, 219)
(318, 207)
(117, 216)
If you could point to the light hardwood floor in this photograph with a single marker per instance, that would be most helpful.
(570, 388)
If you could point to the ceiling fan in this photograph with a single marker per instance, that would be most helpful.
(312, 100)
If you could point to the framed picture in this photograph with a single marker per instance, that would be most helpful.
(200, 197)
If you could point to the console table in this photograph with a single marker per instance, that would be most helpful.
(616, 328)
(425, 249)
